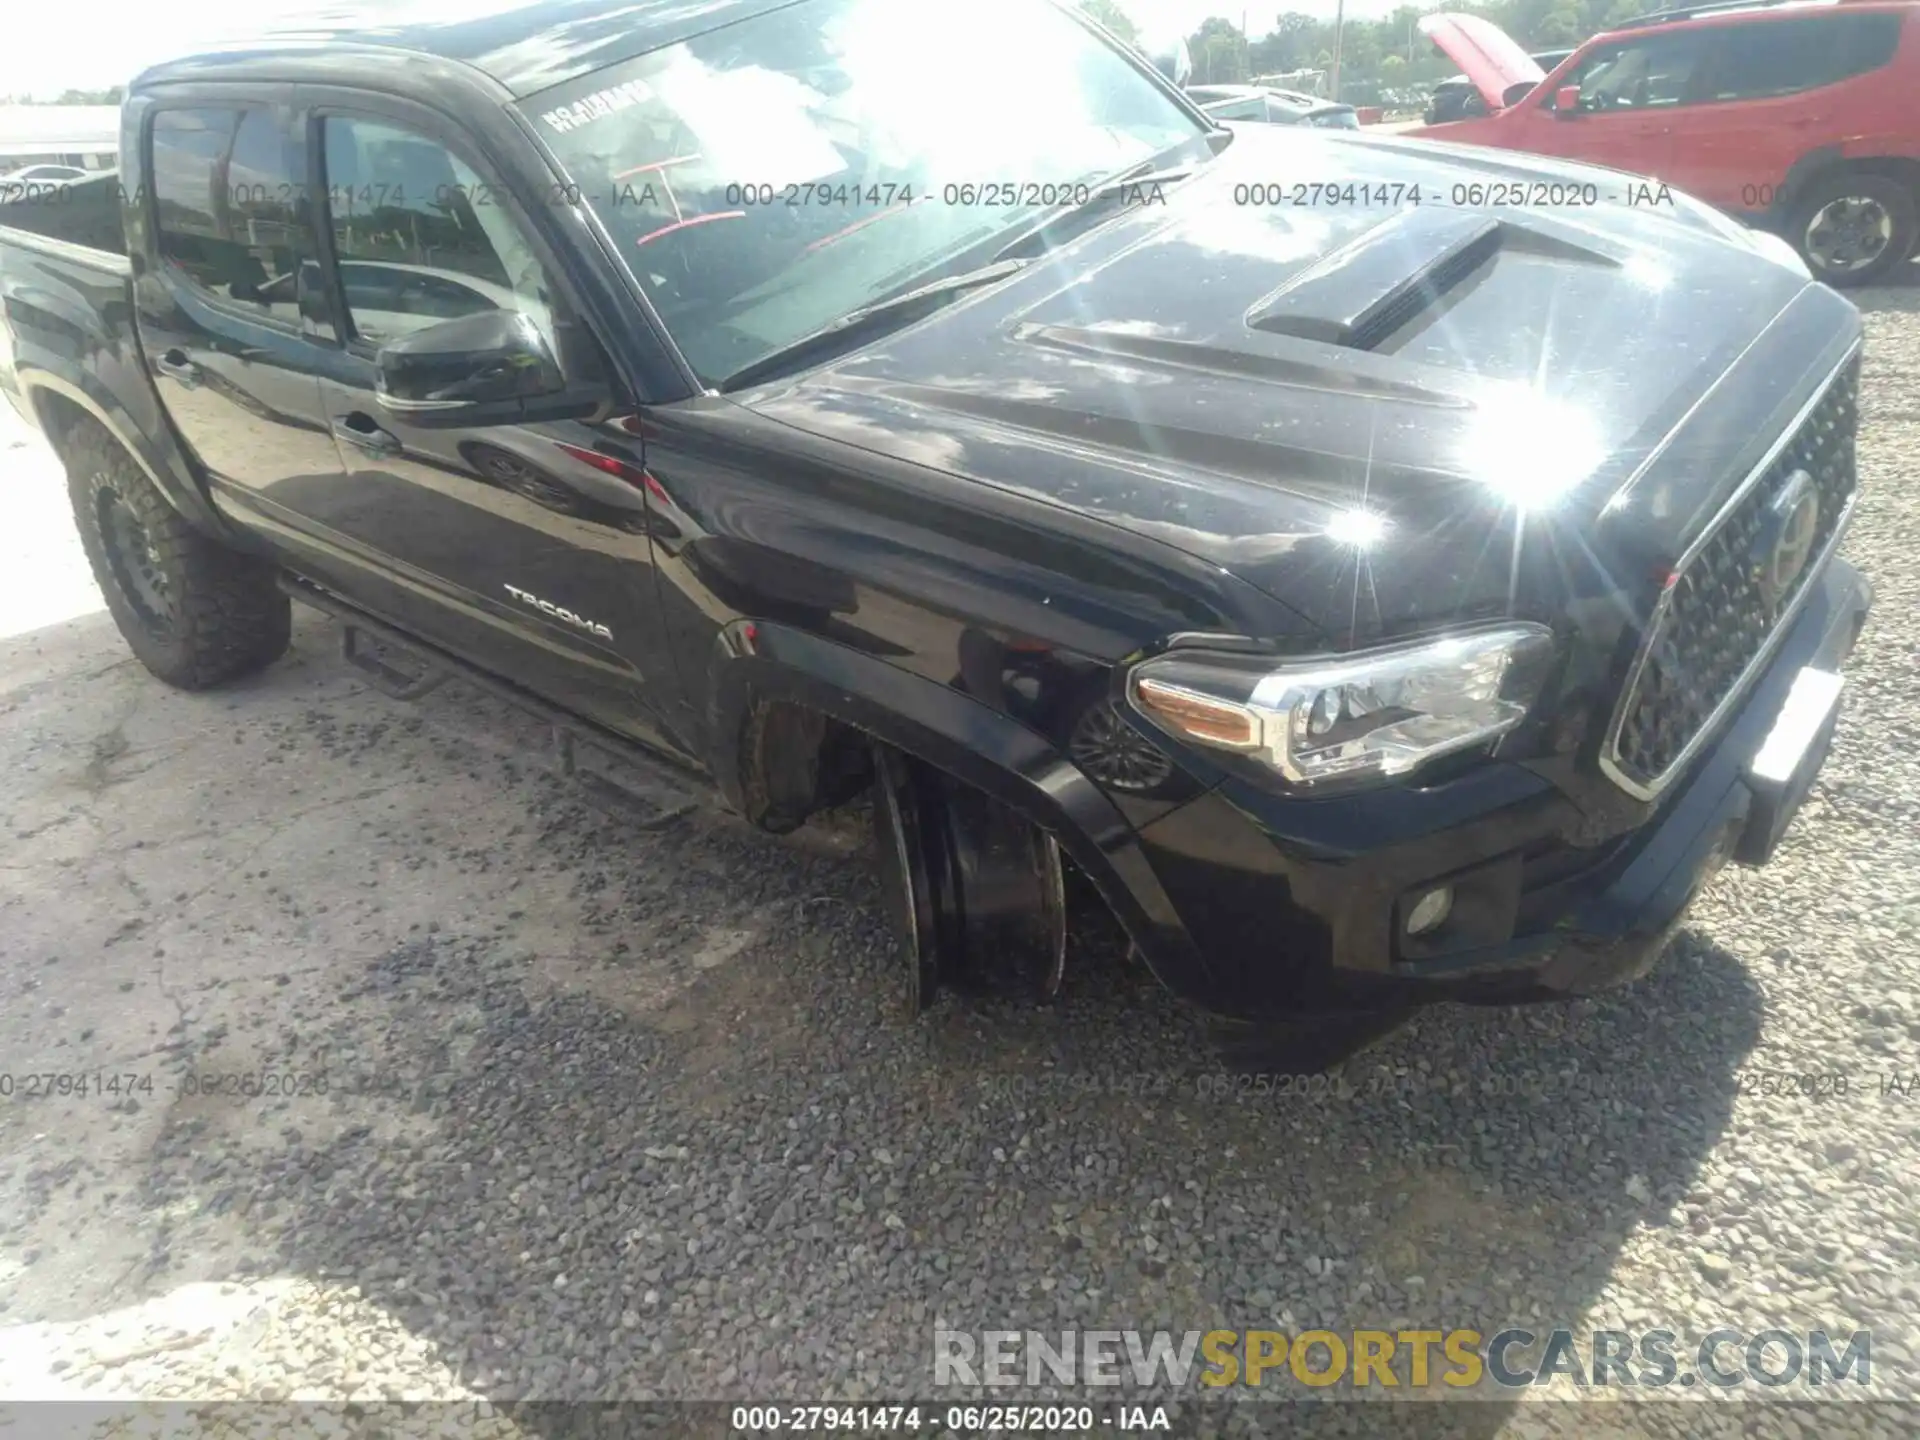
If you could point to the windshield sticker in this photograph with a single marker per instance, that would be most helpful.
(599, 105)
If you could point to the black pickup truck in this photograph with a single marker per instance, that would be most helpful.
(1383, 581)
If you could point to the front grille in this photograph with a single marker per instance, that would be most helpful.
(1718, 616)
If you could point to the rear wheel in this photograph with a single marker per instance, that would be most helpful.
(1853, 226)
(193, 611)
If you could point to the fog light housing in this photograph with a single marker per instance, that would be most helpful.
(1430, 911)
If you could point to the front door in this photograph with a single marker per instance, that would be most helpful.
(522, 547)
(1625, 117)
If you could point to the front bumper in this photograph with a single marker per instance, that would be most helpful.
(1286, 918)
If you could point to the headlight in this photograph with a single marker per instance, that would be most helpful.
(1351, 719)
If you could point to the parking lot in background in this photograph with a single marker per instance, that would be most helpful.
(568, 1109)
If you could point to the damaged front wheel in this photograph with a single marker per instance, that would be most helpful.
(975, 891)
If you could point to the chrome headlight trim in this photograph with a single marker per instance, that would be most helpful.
(1368, 717)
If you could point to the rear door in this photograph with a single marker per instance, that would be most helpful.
(1777, 88)
(219, 302)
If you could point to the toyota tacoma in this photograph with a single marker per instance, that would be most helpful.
(1377, 586)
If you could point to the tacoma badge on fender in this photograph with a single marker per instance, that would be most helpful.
(547, 607)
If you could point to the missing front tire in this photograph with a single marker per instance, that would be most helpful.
(975, 891)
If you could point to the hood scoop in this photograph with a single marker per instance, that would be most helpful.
(1362, 294)
(1291, 370)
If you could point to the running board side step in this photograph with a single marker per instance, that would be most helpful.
(636, 796)
(624, 778)
(371, 657)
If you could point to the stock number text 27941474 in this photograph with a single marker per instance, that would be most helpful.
(1308, 194)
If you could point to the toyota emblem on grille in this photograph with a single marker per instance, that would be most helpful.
(1785, 543)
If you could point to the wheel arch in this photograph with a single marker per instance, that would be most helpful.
(758, 666)
(61, 408)
(1817, 165)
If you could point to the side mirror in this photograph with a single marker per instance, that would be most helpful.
(1566, 101)
(489, 368)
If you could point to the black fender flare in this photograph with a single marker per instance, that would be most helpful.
(756, 662)
(168, 472)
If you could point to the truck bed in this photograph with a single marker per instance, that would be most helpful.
(69, 351)
(83, 212)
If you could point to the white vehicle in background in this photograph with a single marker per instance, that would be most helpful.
(43, 174)
(1272, 107)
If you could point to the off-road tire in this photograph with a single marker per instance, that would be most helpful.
(193, 611)
(1896, 201)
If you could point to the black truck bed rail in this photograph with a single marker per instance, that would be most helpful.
(84, 213)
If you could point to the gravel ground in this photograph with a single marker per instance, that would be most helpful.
(613, 1114)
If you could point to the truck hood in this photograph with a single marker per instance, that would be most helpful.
(1490, 58)
(1359, 406)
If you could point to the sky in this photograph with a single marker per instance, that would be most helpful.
(47, 46)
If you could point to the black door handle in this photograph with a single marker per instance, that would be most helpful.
(361, 433)
(175, 366)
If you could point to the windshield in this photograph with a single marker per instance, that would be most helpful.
(766, 178)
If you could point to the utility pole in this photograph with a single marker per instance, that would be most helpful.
(1339, 23)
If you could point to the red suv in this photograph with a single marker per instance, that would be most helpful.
(1803, 118)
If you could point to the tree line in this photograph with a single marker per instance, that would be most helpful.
(1376, 56)
(111, 96)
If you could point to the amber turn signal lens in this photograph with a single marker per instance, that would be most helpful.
(1217, 722)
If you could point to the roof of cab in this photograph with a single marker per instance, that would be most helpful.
(525, 45)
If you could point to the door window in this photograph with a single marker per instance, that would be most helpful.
(1781, 57)
(419, 237)
(1645, 74)
(224, 193)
